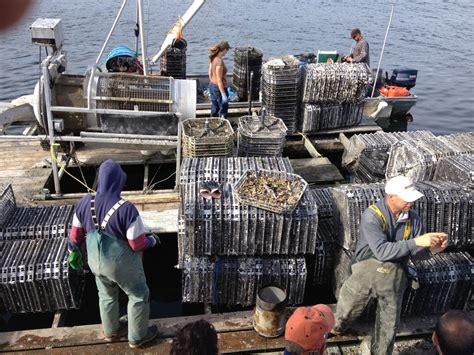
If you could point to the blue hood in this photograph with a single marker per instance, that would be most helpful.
(111, 179)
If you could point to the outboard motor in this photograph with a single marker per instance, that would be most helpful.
(403, 77)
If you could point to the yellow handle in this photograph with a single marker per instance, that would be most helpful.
(58, 163)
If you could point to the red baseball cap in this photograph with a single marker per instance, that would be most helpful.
(308, 327)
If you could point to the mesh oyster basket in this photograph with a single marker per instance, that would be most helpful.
(261, 136)
(203, 137)
(280, 89)
(246, 60)
(173, 63)
(274, 191)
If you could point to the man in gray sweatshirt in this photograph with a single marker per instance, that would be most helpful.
(390, 232)
(361, 49)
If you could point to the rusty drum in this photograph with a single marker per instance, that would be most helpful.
(269, 316)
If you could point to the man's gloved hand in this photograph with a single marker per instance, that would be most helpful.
(155, 240)
(75, 261)
(224, 98)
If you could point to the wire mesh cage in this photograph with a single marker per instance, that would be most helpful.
(458, 169)
(247, 60)
(261, 136)
(334, 83)
(173, 63)
(35, 276)
(445, 282)
(222, 170)
(236, 280)
(270, 190)
(130, 92)
(418, 159)
(280, 89)
(223, 226)
(366, 155)
(315, 118)
(202, 137)
(43, 222)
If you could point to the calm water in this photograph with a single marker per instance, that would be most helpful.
(435, 37)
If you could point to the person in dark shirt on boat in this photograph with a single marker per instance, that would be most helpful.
(114, 236)
(390, 232)
(454, 333)
(361, 49)
(217, 81)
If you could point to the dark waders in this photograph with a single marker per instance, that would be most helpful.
(384, 281)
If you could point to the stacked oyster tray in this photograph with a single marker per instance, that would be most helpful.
(207, 137)
(458, 169)
(261, 136)
(446, 282)
(315, 118)
(225, 240)
(418, 159)
(321, 265)
(236, 280)
(247, 60)
(35, 276)
(366, 155)
(280, 89)
(332, 96)
(34, 271)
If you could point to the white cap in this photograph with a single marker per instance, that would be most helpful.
(402, 187)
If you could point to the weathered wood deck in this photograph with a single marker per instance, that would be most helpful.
(235, 332)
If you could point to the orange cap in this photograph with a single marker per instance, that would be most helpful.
(308, 326)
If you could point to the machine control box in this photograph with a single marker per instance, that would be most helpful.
(47, 32)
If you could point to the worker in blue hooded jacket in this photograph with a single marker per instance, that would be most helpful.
(115, 236)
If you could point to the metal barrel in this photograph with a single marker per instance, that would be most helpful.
(269, 316)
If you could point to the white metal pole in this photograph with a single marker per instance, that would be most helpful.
(139, 30)
(142, 36)
(110, 32)
(189, 14)
(49, 116)
(97, 61)
(381, 53)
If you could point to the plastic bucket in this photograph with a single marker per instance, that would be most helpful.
(269, 315)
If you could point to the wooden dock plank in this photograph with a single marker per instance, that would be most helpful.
(160, 221)
(317, 170)
(235, 332)
(23, 165)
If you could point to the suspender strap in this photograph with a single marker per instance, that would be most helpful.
(107, 216)
(110, 213)
(94, 216)
(382, 217)
(406, 233)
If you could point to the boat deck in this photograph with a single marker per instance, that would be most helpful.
(235, 331)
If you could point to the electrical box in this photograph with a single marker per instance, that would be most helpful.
(47, 32)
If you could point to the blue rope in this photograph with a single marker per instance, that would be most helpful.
(217, 269)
